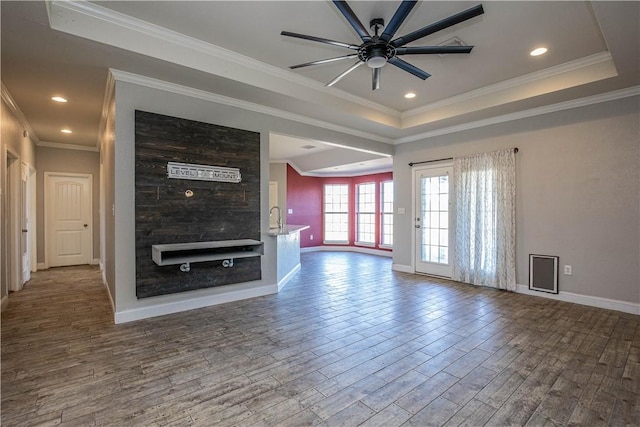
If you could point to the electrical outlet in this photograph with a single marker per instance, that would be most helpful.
(401, 211)
(568, 271)
(311, 237)
(290, 211)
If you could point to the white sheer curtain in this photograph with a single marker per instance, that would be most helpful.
(485, 196)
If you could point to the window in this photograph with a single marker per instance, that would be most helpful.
(366, 213)
(336, 213)
(386, 213)
(434, 212)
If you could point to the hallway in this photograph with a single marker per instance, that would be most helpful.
(347, 342)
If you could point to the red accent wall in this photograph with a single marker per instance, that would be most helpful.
(304, 196)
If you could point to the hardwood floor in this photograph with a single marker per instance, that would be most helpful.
(348, 342)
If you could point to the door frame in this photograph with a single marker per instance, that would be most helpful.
(33, 217)
(47, 208)
(27, 220)
(12, 226)
(414, 173)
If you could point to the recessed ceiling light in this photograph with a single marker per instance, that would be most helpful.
(66, 131)
(409, 95)
(538, 51)
(58, 99)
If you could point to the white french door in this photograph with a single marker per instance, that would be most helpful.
(433, 221)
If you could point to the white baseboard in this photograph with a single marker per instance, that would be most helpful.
(5, 303)
(611, 304)
(358, 249)
(402, 268)
(288, 277)
(193, 303)
(95, 261)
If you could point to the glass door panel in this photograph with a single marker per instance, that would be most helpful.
(432, 221)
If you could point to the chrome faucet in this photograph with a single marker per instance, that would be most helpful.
(279, 221)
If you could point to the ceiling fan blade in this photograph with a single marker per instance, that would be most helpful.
(348, 13)
(376, 73)
(324, 61)
(397, 20)
(421, 50)
(403, 65)
(350, 69)
(320, 40)
(440, 25)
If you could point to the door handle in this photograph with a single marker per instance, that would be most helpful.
(86, 225)
(417, 225)
(24, 230)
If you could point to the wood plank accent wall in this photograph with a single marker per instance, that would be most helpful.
(216, 211)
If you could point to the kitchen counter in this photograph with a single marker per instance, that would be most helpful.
(286, 230)
(287, 251)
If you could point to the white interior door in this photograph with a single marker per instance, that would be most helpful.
(13, 260)
(433, 221)
(25, 238)
(68, 211)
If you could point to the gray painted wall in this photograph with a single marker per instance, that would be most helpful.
(577, 192)
(278, 173)
(107, 202)
(130, 97)
(71, 161)
(12, 137)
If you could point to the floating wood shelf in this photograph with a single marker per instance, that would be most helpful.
(185, 253)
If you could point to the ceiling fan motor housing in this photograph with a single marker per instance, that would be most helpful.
(376, 54)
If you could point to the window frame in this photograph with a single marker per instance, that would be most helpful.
(326, 212)
(371, 214)
(384, 213)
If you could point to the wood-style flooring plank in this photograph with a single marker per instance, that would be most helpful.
(347, 342)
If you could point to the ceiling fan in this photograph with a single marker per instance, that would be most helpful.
(379, 49)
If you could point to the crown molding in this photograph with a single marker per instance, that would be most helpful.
(347, 174)
(149, 82)
(169, 37)
(312, 174)
(104, 25)
(64, 146)
(13, 106)
(220, 99)
(516, 82)
(568, 105)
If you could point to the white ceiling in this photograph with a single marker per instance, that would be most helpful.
(234, 49)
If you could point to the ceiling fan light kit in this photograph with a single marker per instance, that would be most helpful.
(380, 49)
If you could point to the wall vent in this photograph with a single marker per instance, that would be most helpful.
(543, 273)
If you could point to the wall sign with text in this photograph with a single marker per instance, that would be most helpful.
(203, 172)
